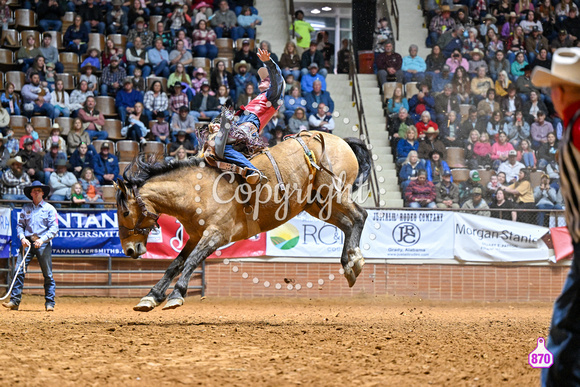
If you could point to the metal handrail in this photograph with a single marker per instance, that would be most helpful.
(291, 11)
(363, 132)
(395, 13)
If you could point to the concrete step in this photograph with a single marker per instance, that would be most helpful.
(392, 203)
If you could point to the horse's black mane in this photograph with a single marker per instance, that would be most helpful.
(140, 170)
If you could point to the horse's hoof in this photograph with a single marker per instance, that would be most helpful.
(145, 305)
(173, 303)
(350, 277)
(358, 266)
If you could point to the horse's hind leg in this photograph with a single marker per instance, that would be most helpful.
(350, 218)
(207, 245)
(157, 293)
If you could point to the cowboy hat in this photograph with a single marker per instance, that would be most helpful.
(490, 17)
(200, 70)
(263, 73)
(86, 67)
(476, 51)
(94, 49)
(55, 126)
(445, 8)
(36, 184)
(512, 14)
(431, 130)
(565, 69)
(202, 4)
(13, 160)
(242, 63)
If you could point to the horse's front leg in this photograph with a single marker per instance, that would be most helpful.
(207, 245)
(157, 293)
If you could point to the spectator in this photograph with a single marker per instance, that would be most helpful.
(545, 198)
(441, 79)
(177, 19)
(143, 33)
(488, 106)
(480, 85)
(243, 77)
(511, 167)
(413, 66)
(535, 42)
(80, 159)
(76, 37)
(224, 99)
(511, 103)
(32, 161)
(137, 11)
(502, 84)
(224, 22)
(159, 59)
(466, 188)
(106, 166)
(457, 60)
(482, 150)
(317, 96)
(407, 144)
(180, 55)
(293, 100)
(298, 122)
(397, 102)
(302, 31)
(498, 64)
(266, 46)
(51, 12)
(247, 56)
(91, 187)
(50, 53)
(156, 101)
(476, 202)
(137, 124)
(126, 99)
(204, 105)
(164, 35)
(500, 203)
(434, 64)
(540, 129)
(527, 154)
(93, 120)
(452, 40)
(14, 180)
(389, 65)
(184, 122)
(61, 182)
(177, 99)
(77, 136)
(117, 19)
(88, 76)
(27, 53)
(431, 143)
(424, 124)
(343, 61)
(509, 26)
(50, 159)
(112, 77)
(477, 61)
(381, 34)
(160, 129)
(92, 14)
(524, 84)
(247, 22)
(462, 85)
(204, 41)
(439, 25)
(533, 106)
(220, 76)
(410, 169)
(137, 58)
(494, 45)
(495, 125)
(445, 103)
(421, 102)
(4, 155)
(53, 137)
(60, 100)
(307, 83)
(562, 41)
(500, 150)
(290, 61)
(522, 191)
(518, 65)
(32, 134)
(436, 166)
(312, 56)
(547, 151)
(79, 96)
(543, 59)
(181, 142)
(321, 121)
(447, 192)
(421, 192)
(450, 131)
(36, 99)
(10, 100)
(199, 77)
(277, 122)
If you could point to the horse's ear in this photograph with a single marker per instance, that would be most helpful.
(120, 185)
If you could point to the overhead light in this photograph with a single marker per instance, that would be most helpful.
(326, 9)
(315, 11)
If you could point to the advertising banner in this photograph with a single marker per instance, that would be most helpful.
(483, 239)
(5, 232)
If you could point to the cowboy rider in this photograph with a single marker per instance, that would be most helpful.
(253, 118)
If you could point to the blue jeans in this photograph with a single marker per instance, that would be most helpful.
(146, 70)
(321, 71)
(410, 77)
(44, 257)
(235, 32)
(206, 51)
(233, 156)
(134, 133)
(211, 114)
(58, 111)
(541, 214)
(46, 110)
(418, 205)
(528, 159)
(98, 134)
(50, 25)
(14, 197)
(57, 198)
(150, 117)
(161, 69)
(93, 205)
(100, 27)
(296, 74)
(248, 30)
(564, 339)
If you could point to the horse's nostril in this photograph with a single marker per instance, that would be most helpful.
(130, 252)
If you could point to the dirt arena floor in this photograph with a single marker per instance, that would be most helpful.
(381, 341)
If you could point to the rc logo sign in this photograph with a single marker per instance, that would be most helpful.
(406, 234)
(285, 237)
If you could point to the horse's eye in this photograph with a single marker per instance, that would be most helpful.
(126, 214)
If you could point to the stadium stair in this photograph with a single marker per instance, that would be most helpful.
(339, 87)
(410, 17)
(274, 27)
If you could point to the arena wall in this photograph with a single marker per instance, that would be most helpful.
(242, 278)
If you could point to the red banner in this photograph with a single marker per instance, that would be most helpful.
(562, 243)
(170, 238)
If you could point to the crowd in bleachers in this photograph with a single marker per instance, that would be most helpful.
(86, 85)
(466, 122)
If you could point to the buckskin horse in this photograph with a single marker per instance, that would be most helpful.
(319, 174)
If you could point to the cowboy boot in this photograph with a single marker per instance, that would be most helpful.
(10, 305)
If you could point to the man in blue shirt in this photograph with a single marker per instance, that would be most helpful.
(309, 78)
(414, 66)
(126, 99)
(316, 97)
(159, 59)
(106, 166)
(37, 226)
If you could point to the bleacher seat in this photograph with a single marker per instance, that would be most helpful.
(65, 124)
(18, 122)
(122, 166)
(56, 39)
(1, 81)
(35, 34)
(68, 80)
(17, 78)
(127, 150)
(113, 128)
(485, 176)
(42, 125)
(152, 79)
(25, 19)
(12, 35)
(109, 192)
(228, 62)
(153, 20)
(460, 175)
(7, 60)
(70, 62)
(411, 89)
(455, 157)
(536, 178)
(389, 90)
(97, 41)
(464, 111)
(119, 40)
(241, 40)
(67, 20)
(98, 143)
(202, 62)
(155, 148)
(106, 105)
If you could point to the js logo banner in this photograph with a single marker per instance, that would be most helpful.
(406, 234)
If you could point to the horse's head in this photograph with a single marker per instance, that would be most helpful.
(135, 221)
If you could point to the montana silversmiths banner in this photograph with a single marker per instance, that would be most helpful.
(483, 239)
(408, 234)
(5, 232)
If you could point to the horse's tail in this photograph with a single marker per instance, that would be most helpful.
(363, 157)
